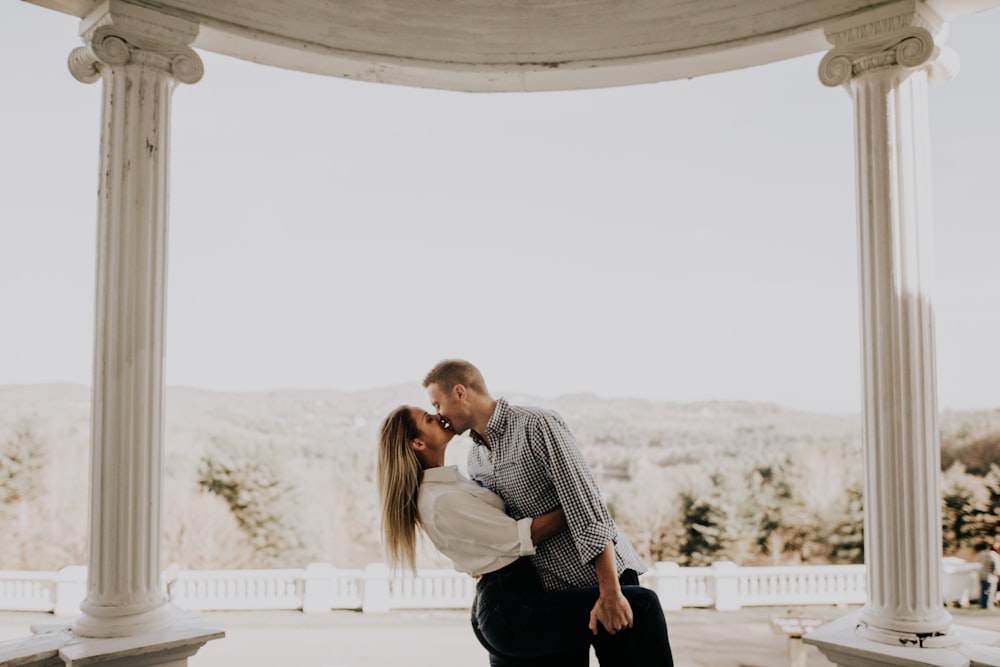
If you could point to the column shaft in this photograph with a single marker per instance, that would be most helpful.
(128, 354)
(138, 68)
(884, 58)
(902, 458)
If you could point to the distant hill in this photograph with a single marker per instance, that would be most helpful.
(327, 418)
(323, 443)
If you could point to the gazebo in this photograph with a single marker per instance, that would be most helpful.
(883, 54)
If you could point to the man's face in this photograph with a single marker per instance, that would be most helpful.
(451, 406)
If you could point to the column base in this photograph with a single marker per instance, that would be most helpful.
(168, 647)
(112, 622)
(946, 639)
(842, 643)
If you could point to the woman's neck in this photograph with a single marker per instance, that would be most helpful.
(432, 460)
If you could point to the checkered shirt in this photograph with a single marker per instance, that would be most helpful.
(534, 464)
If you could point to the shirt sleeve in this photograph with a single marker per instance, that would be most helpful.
(466, 522)
(587, 514)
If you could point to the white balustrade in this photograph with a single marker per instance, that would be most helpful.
(346, 591)
(961, 581)
(322, 587)
(698, 587)
(27, 591)
(773, 586)
(238, 589)
(432, 589)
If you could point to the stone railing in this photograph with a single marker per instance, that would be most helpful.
(725, 586)
(321, 587)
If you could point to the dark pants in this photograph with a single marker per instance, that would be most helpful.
(522, 625)
(987, 591)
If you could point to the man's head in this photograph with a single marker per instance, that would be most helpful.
(458, 392)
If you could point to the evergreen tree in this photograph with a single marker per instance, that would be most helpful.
(252, 481)
(703, 530)
(847, 536)
(958, 515)
(23, 458)
(989, 516)
(772, 495)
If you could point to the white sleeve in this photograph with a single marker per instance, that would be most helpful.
(462, 520)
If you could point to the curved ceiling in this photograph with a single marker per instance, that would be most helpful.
(507, 45)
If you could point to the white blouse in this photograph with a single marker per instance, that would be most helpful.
(467, 523)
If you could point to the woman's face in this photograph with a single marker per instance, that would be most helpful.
(432, 431)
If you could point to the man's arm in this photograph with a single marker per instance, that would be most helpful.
(587, 515)
(612, 609)
(547, 525)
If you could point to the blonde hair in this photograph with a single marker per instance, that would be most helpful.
(451, 372)
(399, 476)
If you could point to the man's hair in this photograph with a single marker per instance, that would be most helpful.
(451, 372)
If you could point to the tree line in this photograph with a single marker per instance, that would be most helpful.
(692, 484)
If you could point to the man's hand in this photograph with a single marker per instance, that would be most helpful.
(612, 609)
(614, 613)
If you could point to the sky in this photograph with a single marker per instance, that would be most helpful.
(683, 241)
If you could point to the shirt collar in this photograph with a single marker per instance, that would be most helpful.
(442, 474)
(498, 420)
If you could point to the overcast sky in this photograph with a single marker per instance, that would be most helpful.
(684, 241)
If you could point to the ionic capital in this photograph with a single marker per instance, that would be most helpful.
(121, 34)
(905, 35)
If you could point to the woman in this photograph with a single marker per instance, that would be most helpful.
(513, 617)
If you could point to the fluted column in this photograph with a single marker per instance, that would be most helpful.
(885, 59)
(138, 55)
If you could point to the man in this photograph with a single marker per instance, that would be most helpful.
(530, 459)
(989, 572)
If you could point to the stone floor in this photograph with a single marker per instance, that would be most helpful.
(700, 638)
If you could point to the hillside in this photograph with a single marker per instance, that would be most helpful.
(320, 449)
(318, 419)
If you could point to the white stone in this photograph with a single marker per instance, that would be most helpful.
(840, 642)
(71, 588)
(883, 58)
(377, 595)
(318, 594)
(669, 585)
(138, 54)
(727, 586)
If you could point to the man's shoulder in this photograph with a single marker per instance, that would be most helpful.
(533, 413)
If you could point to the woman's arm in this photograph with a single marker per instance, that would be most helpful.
(548, 525)
(458, 523)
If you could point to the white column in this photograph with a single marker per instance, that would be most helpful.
(884, 59)
(376, 597)
(139, 55)
(668, 582)
(318, 585)
(726, 586)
